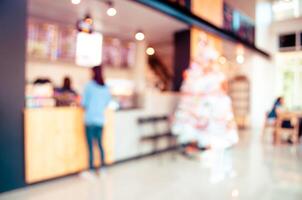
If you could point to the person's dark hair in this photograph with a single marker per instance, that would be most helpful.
(278, 101)
(98, 75)
(67, 83)
(42, 81)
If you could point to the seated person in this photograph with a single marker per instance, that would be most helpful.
(278, 107)
(65, 95)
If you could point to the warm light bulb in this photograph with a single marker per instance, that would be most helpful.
(240, 59)
(150, 51)
(75, 2)
(139, 36)
(111, 12)
(222, 60)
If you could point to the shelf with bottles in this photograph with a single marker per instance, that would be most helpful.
(49, 41)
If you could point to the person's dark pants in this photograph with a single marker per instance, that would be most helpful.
(300, 127)
(94, 133)
(286, 124)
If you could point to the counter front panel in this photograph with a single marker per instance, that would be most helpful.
(55, 143)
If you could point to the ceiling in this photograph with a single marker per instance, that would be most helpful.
(131, 17)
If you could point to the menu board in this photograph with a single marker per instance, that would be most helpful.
(238, 23)
(55, 42)
(117, 53)
(42, 40)
(67, 44)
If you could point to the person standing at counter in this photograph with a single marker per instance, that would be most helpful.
(67, 86)
(95, 101)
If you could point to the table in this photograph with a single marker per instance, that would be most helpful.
(293, 117)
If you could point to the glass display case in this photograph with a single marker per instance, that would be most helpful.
(40, 95)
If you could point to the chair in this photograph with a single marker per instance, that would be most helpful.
(293, 130)
(157, 135)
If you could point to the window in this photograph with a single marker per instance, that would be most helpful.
(290, 78)
(292, 83)
(287, 41)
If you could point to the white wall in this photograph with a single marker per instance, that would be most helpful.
(283, 60)
(262, 89)
(263, 71)
(286, 26)
(260, 70)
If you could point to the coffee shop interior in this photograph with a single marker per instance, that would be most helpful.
(135, 87)
(151, 58)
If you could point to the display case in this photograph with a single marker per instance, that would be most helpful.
(239, 89)
(123, 93)
(39, 95)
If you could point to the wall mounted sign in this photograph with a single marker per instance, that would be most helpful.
(53, 42)
(185, 15)
(89, 49)
(238, 23)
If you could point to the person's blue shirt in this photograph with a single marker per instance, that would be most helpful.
(95, 101)
(273, 113)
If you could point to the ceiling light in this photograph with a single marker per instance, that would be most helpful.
(139, 35)
(75, 2)
(150, 51)
(240, 59)
(111, 11)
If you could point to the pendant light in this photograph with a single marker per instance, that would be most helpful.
(111, 11)
(139, 35)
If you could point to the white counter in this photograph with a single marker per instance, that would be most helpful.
(124, 133)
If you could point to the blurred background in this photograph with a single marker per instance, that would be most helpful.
(203, 96)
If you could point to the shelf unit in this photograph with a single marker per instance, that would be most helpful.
(239, 91)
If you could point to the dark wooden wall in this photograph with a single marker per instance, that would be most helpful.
(12, 86)
(181, 57)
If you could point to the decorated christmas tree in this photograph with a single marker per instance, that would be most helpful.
(204, 114)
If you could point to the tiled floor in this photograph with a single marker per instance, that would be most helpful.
(259, 172)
